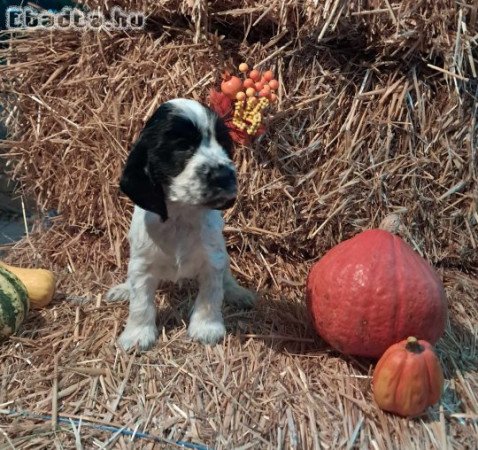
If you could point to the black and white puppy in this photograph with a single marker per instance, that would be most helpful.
(179, 174)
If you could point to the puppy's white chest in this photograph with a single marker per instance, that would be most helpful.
(188, 244)
(179, 241)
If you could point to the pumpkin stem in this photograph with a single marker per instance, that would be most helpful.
(391, 223)
(413, 345)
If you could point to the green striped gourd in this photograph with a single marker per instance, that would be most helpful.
(14, 303)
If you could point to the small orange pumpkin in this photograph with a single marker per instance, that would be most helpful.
(408, 378)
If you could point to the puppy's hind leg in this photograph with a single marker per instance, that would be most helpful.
(236, 295)
(118, 292)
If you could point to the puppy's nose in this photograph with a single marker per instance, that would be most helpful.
(222, 177)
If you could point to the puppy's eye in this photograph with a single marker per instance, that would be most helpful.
(178, 141)
(182, 140)
(185, 149)
(183, 145)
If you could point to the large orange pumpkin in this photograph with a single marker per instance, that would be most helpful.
(372, 291)
(408, 378)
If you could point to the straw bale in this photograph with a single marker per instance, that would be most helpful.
(352, 142)
(369, 123)
(400, 29)
(409, 28)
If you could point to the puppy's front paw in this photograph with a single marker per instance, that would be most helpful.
(240, 297)
(144, 336)
(119, 292)
(206, 330)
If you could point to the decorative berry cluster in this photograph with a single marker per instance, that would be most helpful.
(248, 117)
(251, 96)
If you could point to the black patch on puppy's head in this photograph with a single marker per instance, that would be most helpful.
(173, 139)
(161, 152)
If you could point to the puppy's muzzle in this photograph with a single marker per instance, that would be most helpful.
(223, 178)
(222, 183)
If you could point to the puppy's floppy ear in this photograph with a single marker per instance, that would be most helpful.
(223, 135)
(137, 183)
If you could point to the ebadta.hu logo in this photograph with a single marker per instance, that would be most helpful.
(68, 17)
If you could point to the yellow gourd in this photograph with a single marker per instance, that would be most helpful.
(40, 284)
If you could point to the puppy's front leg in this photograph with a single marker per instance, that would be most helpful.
(207, 324)
(141, 324)
(236, 295)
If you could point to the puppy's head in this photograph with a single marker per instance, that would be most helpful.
(182, 155)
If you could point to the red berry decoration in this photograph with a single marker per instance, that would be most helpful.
(269, 75)
(259, 85)
(274, 84)
(255, 75)
(248, 83)
(243, 103)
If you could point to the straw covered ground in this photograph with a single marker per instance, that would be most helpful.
(376, 115)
